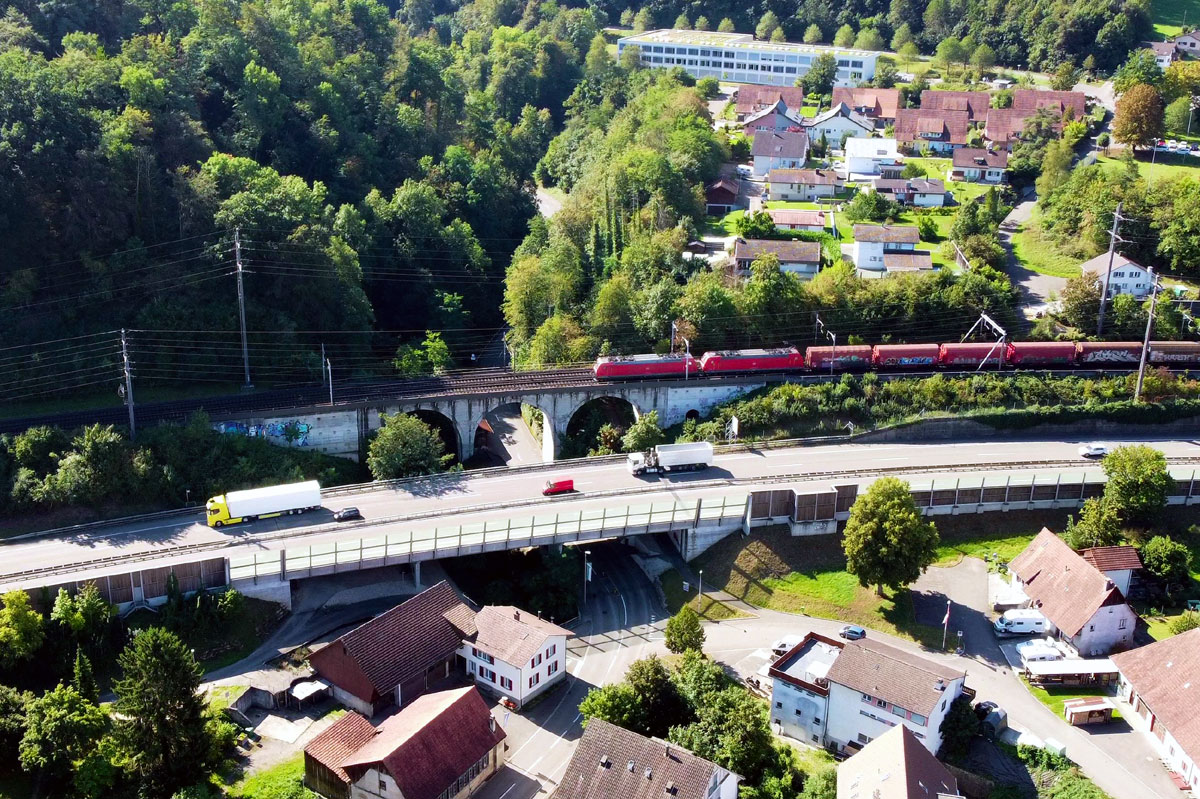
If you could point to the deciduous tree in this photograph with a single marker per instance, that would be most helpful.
(1080, 300)
(869, 39)
(886, 541)
(731, 730)
(684, 632)
(1138, 482)
(643, 434)
(767, 25)
(61, 728)
(1139, 119)
(1142, 67)
(844, 37)
(405, 447)
(902, 36)
(1178, 114)
(1099, 525)
(21, 631)
(812, 34)
(821, 74)
(1167, 559)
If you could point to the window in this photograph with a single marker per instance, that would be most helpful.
(484, 656)
(817, 721)
(506, 683)
(382, 785)
(553, 669)
(1091, 628)
(550, 652)
(943, 707)
(1121, 626)
(487, 674)
(779, 704)
(535, 661)
(917, 718)
(881, 703)
(862, 739)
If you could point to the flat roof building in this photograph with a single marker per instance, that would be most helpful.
(740, 58)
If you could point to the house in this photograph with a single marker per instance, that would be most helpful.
(804, 185)
(721, 197)
(776, 117)
(1188, 42)
(515, 654)
(611, 761)
(835, 123)
(1127, 277)
(978, 165)
(1004, 126)
(1164, 52)
(1085, 608)
(878, 105)
(872, 242)
(1118, 564)
(1160, 682)
(398, 655)
(871, 156)
(895, 766)
(976, 104)
(755, 97)
(740, 58)
(797, 219)
(802, 258)
(1072, 104)
(922, 192)
(779, 150)
(843, 695)
(444, 745)
(940, 131)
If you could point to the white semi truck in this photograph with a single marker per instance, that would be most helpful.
(260, 503)
(671, 458)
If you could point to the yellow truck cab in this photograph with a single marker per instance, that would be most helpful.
(218, 512)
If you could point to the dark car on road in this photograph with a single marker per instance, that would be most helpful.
(852, 632)
(347, 515)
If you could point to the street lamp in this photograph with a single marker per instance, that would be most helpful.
(700, 586)
(586, 575)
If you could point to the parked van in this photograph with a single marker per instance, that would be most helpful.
(558, 485)
(1024, 621)
(1038, 650)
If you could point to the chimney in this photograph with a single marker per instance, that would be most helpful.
(1109, 585)
(941, 685)
(666, 749)
(516, 614)
(492, 723)
(649, 774)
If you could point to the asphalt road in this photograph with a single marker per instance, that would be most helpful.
(461, 499)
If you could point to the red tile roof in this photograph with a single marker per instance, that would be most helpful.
(1029, 100)
(874, 103)
(611, 762)
(975, 104)
(1166, 675)
(339, 741)
(809, 177)
(888, 234)
(431, 743)
(511, 634)
(1108, 559)
(796, 216)
(1063, 586)
(753, 97)
(966, 157)
(788, 252)
(1004, 125)
(888, 673)
(372, 659)
(907, 261)
(949, 126)
(896, 765)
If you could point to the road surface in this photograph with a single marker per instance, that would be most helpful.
(469, 498)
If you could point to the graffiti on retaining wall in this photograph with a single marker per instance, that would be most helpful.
(293, 432)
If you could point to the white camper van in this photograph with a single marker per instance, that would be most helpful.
(1025, 621)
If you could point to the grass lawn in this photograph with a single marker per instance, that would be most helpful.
(1034, 250)
(724, 225)
(970, 537)
(1169, 16)
(283, 780)
(219, 696)
(230, 643)
(1054, 696)
(706, 607)
(1164, 166)
(807, 575)
(809, 110)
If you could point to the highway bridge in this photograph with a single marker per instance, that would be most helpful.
(448, 515)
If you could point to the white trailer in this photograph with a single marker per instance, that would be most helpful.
(257, 503)
(1023, 621)
(671, 458)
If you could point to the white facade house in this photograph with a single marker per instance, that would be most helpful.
(779, 150)
(740, 58)
(837, 122)
(1127, 277)
(1081, 605)
(978, 165)
(873, 242)
(803, 185)
(1188, 42)
(515, 654)
(1118, 563)
(869, 156)
(843, 695)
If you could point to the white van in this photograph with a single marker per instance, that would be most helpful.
(1025, 621)
(1040, 649)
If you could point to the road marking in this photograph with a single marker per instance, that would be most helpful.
(514, 785)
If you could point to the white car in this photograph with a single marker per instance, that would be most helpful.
(1093, 450)
(744, 170)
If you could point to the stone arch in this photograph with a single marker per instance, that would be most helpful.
(587, 417)
(444, 426)
(496, 444)
(692, 414)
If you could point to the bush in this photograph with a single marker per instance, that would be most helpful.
(1188, 620)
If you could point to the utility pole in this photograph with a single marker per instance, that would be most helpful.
(687, 357)
(832, 340)
(125, 365)
(1137, 394)
(329, 371)
(324, 361)
(1113, 238)
(673, 338)
(1002, 334)
(237, 257)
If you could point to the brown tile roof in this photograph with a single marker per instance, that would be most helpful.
(431, 743)
(1108, 559)
(1029, 100)
(511, 634)
(888, 234)
(917, 185)
(807, 252)
(780, 144)
(754, 97)
(896, 765)
(949, 126)
(339, 741)
(907, 261)
(1160, 48)
(877, 103)
(811, 177)
(966, 157)
(1063, 586)
(1166, 675)
(796, 216)
(724, 186)
(888, 673)
(611, 762)
(1004, 124)
(375, 657)
(975, 104)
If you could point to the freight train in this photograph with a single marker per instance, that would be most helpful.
(902, 357)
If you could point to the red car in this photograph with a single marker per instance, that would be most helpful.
(558, 485)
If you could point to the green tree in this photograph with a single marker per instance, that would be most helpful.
(821, 783)
(39, 448)
(822, 74)
(657, 695)
(908, 53)
(983, 58)
(405, 447)
(1065, 77)
(698, 678)
(886, 77)
(767, 25)
(14, 705)
(902, 36)
(643, 20)
(1080, 300)
(1167, 559)
(21, 629)
(1178, 114)
(643, 434)
(1139, 118)
(627, 18)
(812, 34)
(61, 728)
(958, 728)
(1056, 167)
(731, 730)
(702, 23)
(869, 39)
(778, 35)
(726, 26)
(886, 541)
(870, 206)
(844, 37)
(1138, 482)
(682, 22)
(949, 53)
(84, 679)
(617, 704)
(161, 719)
(927, 228)
(1099, 525)
(1142, 67)
(683, 631)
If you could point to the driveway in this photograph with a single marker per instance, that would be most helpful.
(1035, 288)
(548, 205)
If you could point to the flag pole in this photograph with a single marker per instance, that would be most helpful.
(946, 625)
